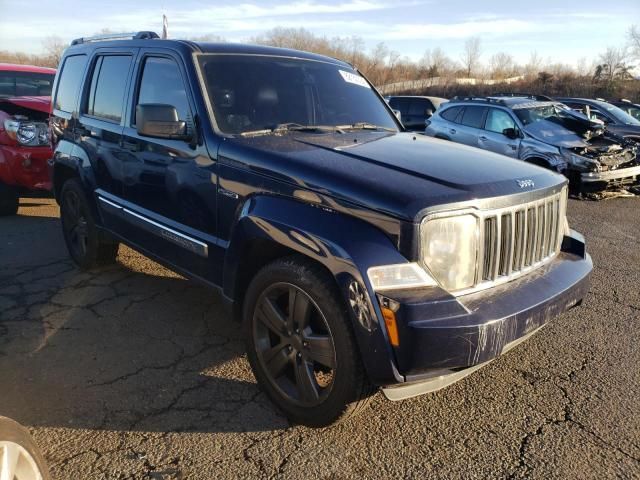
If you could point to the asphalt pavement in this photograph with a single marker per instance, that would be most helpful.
(132, 372)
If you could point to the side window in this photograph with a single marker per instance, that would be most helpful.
(162, 83)
(108, 87)
(419, 106)
(400, 103)
(450, 113)
(69, 83)
(472, 116)
(498, 120)
(596, 114)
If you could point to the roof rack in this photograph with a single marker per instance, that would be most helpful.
(625, 100)
(143, 35)
(477, 99)
(532, 96)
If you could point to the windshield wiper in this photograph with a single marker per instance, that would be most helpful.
(291, 127)
(365, 126)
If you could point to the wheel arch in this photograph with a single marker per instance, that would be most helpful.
(270, 227)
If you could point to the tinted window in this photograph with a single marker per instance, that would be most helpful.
(252, 93)
(69, 82)
(498, 120)
(450, 113)
(472, 116)
(16, 84)
(399, 103)
(418, 107)
(162, 83)
(108, 84)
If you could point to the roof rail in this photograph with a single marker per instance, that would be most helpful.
(143, 35)
(532, 96)
(477, 99)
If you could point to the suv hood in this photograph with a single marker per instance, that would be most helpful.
(571, 132)
(397, 173)
(40, 104)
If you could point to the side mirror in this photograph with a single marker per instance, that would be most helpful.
(511, 133)
(398, 114)
(428, 113)
(160, 121)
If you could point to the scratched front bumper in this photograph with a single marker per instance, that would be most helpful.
(442, 334)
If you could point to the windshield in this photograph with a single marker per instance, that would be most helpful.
(544, 112)
(255, 93)
(619, 114)
(19, 84)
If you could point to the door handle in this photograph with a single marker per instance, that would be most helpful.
(452, 130)
(483, 138)
(513, 147)
(131, 146)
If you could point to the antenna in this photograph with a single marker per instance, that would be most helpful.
(165, 27)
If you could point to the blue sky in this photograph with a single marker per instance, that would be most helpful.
(562, 31)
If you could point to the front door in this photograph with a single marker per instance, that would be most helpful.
(169, 184)
(493, 137)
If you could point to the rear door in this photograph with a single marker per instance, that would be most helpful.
(100, 124)
(493, 138)
(416, 114)
(471, 123)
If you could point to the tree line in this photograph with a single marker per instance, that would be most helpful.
(607, 75)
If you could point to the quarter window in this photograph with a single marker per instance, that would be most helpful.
(498, 121)
(451, 113)
(69, 83)
(162, 83)
(108, 86)
(472, 116)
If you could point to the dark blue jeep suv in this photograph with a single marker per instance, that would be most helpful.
(356, 255)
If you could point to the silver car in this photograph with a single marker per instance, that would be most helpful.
(545, 133)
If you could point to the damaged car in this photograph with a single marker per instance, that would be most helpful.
(545, 133)
(25, 143)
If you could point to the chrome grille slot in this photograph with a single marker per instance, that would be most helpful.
(515, 240)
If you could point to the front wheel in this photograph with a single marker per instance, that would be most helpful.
(301, 346)
(20, 457)
(8, 200)
(85, 243)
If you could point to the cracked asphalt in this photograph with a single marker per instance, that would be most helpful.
(132, 372)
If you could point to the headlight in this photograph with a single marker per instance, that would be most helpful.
(449, 250)
(580, 161)
(403, 275)
(32, 134)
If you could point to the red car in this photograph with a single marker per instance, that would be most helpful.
(25, 143)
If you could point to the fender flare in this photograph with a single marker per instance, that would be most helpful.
(344, 245)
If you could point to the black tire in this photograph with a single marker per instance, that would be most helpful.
(9, 200)
(87, 246)
(339, 381)
(15, 437)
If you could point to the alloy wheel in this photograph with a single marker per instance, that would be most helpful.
(294, 344)
(74, 223)
(16, 463)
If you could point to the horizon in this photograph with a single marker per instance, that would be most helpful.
(411, 27)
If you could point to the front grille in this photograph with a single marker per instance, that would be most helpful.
(514, 240)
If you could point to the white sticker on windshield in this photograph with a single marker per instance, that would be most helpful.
(353, 78)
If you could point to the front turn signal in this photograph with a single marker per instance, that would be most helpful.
(392, 327)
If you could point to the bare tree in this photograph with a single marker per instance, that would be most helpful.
(613, 65)
(534, 65)
(633, 37)
(502, 66)
(53, 47)
(471, 55)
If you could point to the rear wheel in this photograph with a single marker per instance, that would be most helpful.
(8, 200)
(85, 243)
(300, 344)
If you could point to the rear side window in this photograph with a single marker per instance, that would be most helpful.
(69, 83)
(108, 85)
(473, 116)
(498, 121)
(162, 83)
(419, 107)
(451, 113)
(399, 103)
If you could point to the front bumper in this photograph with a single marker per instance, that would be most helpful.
(444, 338)
(25, 167)
(630, 173)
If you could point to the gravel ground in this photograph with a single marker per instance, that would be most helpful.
(134, 372)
